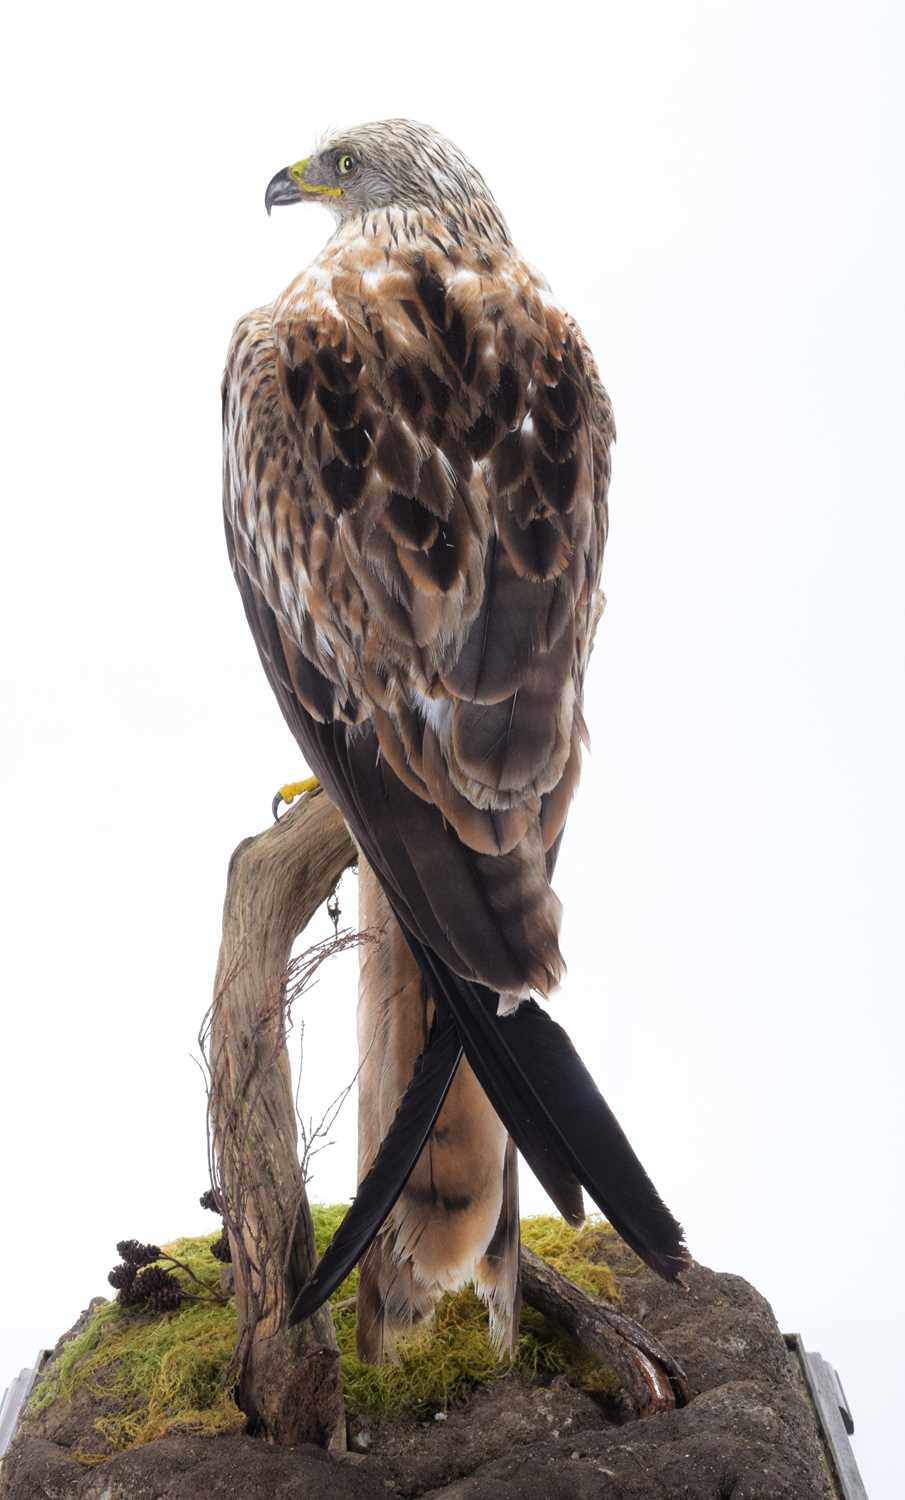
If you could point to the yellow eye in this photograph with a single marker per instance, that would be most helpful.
(345, 165)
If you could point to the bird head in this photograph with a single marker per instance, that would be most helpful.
(389, 164)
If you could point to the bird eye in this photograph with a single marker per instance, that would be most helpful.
(345, 165)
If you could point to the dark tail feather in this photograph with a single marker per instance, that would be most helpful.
(400, 1149)
(552, 1108)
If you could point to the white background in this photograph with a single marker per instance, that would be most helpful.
(714, 191)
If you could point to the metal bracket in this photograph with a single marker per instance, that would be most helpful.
(834, 1417)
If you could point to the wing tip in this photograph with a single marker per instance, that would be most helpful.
(666, 1253)
(672, 1264)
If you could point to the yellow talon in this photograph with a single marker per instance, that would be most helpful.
(291, 790)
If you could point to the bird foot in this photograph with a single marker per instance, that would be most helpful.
(288, 793)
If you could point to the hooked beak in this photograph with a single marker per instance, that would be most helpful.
(291, 186)
(282, 188)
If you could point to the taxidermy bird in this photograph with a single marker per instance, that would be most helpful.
(416, 466)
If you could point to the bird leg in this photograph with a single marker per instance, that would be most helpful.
(288, 793)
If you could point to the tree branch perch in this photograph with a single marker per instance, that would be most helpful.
(288, 1379)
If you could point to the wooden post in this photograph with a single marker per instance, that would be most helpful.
(288, 1379)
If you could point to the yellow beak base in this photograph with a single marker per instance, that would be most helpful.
(297, 173)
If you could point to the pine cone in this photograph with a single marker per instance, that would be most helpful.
(220, 1248)
(159, 1288)
(138, 1254)
(122, 1276)
(209, 1200)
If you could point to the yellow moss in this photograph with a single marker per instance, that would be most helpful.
(581, 1254)
(158, 1374)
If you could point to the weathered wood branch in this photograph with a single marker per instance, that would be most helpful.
(288, 1379)
(651, 1380)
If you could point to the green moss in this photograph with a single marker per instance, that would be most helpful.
(62, 1378)
(157, 1374)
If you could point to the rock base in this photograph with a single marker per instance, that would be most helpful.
(748, 1433)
